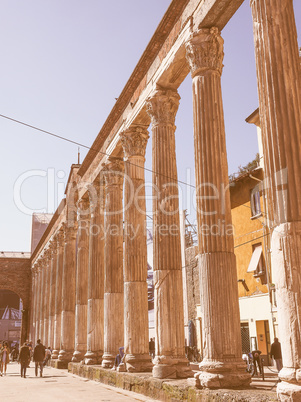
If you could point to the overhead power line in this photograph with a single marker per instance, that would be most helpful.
(60, 137)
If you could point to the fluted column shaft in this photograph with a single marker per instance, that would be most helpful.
(113, 286)
(52, 294)
(42, 299)
(68, 292)
(217, 263)
(279, 90)
(170, 361)
(37, 302)
(95, 329)
(81, 293)
(33, 301)
(58, 294)
(134, 141)
(46, 297)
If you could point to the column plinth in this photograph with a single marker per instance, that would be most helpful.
(81, 294)
(113, 284)
(95, 330)
(68, 293)
(59, 237)
(170, 360)
(278, 79)
(136, 347)
(222, 365)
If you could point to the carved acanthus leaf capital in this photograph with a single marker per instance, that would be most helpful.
(113, 172)
(134, 141)
(205, 51)
(70, 232)
(163, 106)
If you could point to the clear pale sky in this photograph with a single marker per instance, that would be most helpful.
(63, 63)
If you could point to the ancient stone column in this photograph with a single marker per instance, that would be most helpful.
(136, 347)
(58, 294)
(68, 293)
(170, 360)
(81, 293)
(95, 330)
(42, 299)
(52, 283)
(37, 300)
(46, 295)
(222, 365)
(32, 304)
(279, 84)
(113, 286)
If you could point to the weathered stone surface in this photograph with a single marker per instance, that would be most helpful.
(137, 358)
(95, 324)
(222, 365)
(279, 83)
(170, 361)
(81, 293)
(68, 292)
(113, 286)
(168, 389)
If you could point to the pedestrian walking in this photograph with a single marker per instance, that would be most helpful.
(4, 357)
(38, 357)
(276, 353)
(24, 359)
(152, 347)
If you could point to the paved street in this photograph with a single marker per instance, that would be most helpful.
(58, 385)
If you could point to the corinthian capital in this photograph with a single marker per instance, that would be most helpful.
(163, 106)
(113, 172)
(134, 141)
(205, 51)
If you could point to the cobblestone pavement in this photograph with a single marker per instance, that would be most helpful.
(58, 385)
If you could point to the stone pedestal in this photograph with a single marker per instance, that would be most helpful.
(222, 366)
(170, 361)
(136, 347)
(95, 331)
(68, 293)
(278, 78)
(81, 294)
(113, 286)
(59, 238)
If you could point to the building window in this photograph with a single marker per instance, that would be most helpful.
(255, 202)
(245, 337)
(256, 264)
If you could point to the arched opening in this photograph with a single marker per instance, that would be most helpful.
(11, 307)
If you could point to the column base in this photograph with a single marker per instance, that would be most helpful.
(289, 389)
(91, 358)
(55, 354)
(65, 355)
(217, 374)
(288, 392)
(138, 363)
(77, 356)
(108, 360)
(170, 367)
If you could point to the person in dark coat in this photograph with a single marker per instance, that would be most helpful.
(256, 360)
(276, 353)
(24, 359)
(38, 357)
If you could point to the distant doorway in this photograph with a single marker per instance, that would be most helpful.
(264, 340)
